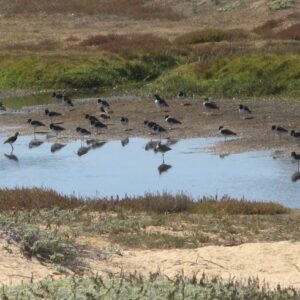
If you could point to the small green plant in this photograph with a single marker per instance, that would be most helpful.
(281, 4)
(154, 286)
(231, 5)
(44, 245)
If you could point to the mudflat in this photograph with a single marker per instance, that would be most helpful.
(253, 134)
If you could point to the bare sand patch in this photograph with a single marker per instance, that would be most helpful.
(273, 263)
(16, 269)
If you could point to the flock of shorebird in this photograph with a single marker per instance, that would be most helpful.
(209, 107)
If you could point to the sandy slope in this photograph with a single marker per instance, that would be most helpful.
(275, 263)
(15, 268)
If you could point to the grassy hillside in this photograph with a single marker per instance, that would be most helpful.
(106, 44)
(245, 75)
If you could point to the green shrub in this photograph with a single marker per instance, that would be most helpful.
(281, 4)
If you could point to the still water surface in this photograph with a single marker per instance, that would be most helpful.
(114, 169)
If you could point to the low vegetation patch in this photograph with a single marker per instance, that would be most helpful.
(290, 33)
(239, 75)
(281, 4)
(46, 246)
(83, 71)
(32, 199)
(156, 286)
(211, 35)
(45, 224)
(127, 43)
(124, 8)
(266, 29)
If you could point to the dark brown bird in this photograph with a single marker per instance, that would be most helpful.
(56, 128)
(11, 140)
(279, 129)
(160, 102)
(226, 132)
(209, 106)
(296, 157)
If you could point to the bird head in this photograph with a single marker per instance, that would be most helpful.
(273, 127)
(292, 132)
(221, 127)
(29, 120)
(293, 154)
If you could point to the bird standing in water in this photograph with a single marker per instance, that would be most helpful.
(11, 140)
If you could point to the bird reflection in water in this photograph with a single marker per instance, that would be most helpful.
(296, 176)
(11, 156)
(95, 144)
(83, 150)
(125, 141)
(35, 143)
(162, 168)
(223, 155)
(56, 147)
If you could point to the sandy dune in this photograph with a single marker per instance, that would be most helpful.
(273, 262)
(15, 268)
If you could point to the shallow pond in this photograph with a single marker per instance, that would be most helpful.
(115, 169)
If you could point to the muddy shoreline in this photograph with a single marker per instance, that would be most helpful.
(254, 134)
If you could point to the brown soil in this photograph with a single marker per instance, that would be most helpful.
(195, 15)
(252, 134)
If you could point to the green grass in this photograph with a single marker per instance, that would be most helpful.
(154, 287)
(240, 75)
(208, 62)
(56, 71)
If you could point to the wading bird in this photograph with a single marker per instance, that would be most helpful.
(11, 140)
